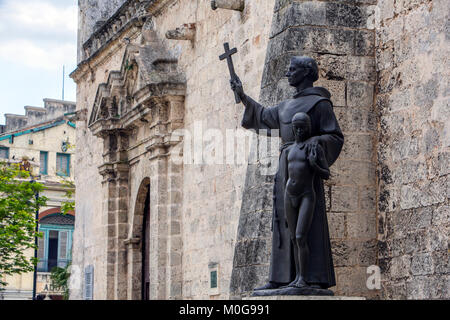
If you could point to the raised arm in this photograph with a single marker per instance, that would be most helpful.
(256, 116)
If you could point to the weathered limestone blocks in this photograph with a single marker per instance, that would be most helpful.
(412, 101)
(185, 32)
(237, 5)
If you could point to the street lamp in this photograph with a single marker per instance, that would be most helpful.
(26, 166)
(35, 243)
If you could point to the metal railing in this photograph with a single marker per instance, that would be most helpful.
(46, 265)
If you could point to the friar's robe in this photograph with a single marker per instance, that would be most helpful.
(316, 103)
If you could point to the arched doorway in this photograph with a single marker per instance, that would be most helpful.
(146, 248)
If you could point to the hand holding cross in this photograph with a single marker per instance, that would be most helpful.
(227, 55)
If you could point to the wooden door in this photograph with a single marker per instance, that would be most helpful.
(146, 250)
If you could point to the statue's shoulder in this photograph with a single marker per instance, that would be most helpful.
(288, 108)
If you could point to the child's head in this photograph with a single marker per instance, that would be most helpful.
(301, 125)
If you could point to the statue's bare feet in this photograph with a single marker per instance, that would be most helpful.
(300, 283)
(292, 284)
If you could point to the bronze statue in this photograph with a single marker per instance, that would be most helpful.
(326, 133)
(304, 162)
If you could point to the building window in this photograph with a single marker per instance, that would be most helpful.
(44, 163)
(54, 248)
(213, 281)
(4, 153)
(63, 164)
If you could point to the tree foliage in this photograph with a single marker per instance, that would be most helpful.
(60, 279)
(69, 204)
(19, 201)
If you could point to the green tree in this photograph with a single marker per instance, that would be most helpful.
(69, 204)
(19, 200)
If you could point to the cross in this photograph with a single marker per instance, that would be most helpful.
(227, 55)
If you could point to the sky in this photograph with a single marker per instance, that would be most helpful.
(37, 38)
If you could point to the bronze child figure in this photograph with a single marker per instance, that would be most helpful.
(304, 162)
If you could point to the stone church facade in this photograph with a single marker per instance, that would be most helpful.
(151, 226)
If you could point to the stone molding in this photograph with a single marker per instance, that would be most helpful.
(132, 12)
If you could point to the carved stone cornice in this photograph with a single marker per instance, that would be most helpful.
(156, 6)
(104, 127)
(114, 171)
(132, 12)
(132, 243)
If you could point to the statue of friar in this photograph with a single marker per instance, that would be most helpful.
(324, 132)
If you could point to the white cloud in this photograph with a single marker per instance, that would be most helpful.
(41, 15)
(38, 33)
(25, 52)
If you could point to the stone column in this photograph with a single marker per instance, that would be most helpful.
(165, 200)
(159, 233)
(134, 268)
(115, 188)
(175, 198)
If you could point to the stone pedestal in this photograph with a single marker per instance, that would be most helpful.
(292, 291)
(300, 298)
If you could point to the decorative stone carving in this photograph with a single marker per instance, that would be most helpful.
(134, 13)
(148, 78)
(237, 5)
(185, 32)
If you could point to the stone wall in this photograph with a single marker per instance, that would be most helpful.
(212, 193)
(90, 236)
(340, 36)
(413, 151)
(218, 215)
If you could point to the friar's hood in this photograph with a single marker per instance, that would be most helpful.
(317, 91)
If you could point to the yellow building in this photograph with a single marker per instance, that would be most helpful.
(44, 137)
